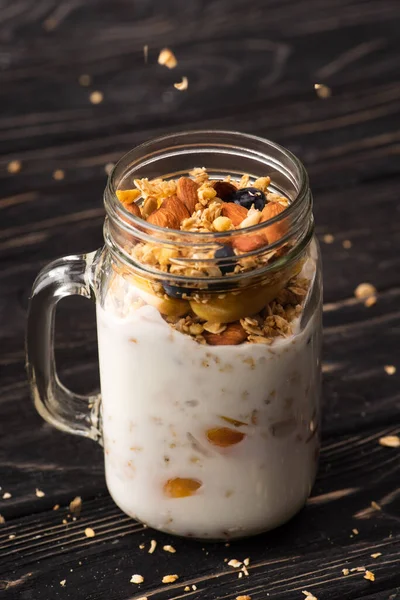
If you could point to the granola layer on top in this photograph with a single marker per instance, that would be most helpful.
(257, 313)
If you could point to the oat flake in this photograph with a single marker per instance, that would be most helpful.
(364, 290)
(14, 166)
(169, 549)
(182, 85)
(309, 595)
(369, 575)
(170, 578)
(390, 369)
(390, 441)
(89, 532)
(96, 97)
(234, 563)
(137, 579)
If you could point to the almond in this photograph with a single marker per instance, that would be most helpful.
(132, 208)
(235, 212)
(174, 205)
(233, 335)
(249, 243)
(276, 231)
(224, 189)
(164, 218)
(186, 190)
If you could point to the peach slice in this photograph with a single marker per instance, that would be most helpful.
(181, 487)
(250, 301)
(224, 436)
(171, 307)
(236, 306)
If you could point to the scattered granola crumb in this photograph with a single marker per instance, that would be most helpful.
(309, 595)
(167, 58)
(376, 554)
(390, 441)
(63, 582)
(347, 244)
(170, 578)
(14, 166)
(370, 301)
(375, 505)
(186, 588)
(245, 571)
(234, 563)
(328, 238)
(240, 575)
(75, 506)
(96, 97)
(369, 575)
(2, 520)
(390, 369)
(246, 562)
(89, 532)
(58, 174)
(11, 536)
(355, 531)
(109, 167)
(56, 507)
(227, 545)
(137, 579)
(323, 91)
(247, 597)
(345, 571)
(358, 570)
(84, 80)
(153, 546)
(39, 493)
(142, 546)
(182, 85)
(6, 495)
(194, 587)
(146, 53)
(64, 522)
(364, 290)
(50, 24)
(169, 549)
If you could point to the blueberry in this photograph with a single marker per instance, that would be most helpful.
(174, 291)
(248, 196)
(225, 252)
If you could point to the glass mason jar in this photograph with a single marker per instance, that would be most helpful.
(209, 357)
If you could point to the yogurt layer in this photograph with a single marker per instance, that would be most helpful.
(206, 441)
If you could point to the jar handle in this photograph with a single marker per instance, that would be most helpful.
(59, 406)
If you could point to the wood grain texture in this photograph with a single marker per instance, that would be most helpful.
(251, 67)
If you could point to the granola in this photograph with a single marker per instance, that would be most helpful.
(266, 309)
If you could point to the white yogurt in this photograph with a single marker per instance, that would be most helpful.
(161, 393)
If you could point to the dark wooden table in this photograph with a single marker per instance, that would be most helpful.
(251, 66)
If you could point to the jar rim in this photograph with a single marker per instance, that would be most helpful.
(130, 223)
